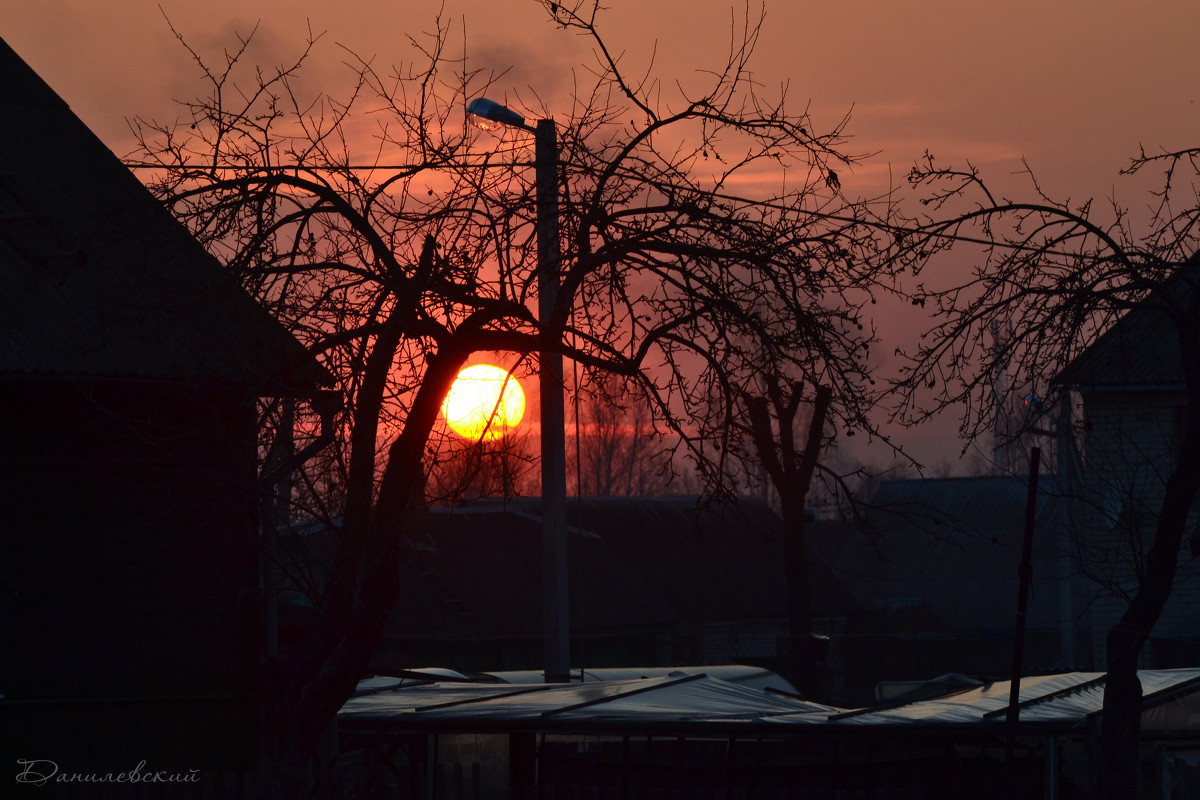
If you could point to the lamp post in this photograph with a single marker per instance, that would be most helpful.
(555, 618)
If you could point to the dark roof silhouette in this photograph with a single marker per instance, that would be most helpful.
(99, 279)
(644, 563)
(1141, 350)
(635, 562)
(942, 554)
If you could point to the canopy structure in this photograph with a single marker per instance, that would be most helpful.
(692, 732)
(675, 700)
(743, 675)
(1067, 700)
(695, 700)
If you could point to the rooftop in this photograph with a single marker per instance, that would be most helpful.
(101, 280)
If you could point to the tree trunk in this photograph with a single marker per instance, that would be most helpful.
(305, 688)
(800, 651)
(309, 685)
(1122, 714)
(791, 472)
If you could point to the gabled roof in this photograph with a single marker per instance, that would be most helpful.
(99, 279)
(1141, 350)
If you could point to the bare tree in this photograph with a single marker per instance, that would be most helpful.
(396, 264)
(1060, 276)
(501, 467)
(613, 448)
(772, 426)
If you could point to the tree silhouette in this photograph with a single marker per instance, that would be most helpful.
(485, 468)
(395, 267)
(790, 465)
(1060, 277)
(614, 450)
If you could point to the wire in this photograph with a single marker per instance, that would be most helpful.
(578, 502)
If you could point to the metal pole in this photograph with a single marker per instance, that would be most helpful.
(555, 617)
(1024, 572)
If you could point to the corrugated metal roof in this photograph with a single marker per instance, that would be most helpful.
(695, 700)
(740, 674)
(1066, 698)
(675, 699)
(99, 278)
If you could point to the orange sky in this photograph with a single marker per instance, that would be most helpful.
(1072, 86)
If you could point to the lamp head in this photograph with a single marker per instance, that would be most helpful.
(490, 115)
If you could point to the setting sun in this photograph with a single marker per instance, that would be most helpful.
(485, 402)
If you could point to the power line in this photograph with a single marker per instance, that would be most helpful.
(915, 230)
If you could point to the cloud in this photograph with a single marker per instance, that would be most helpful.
(897, 108)
(528, 73)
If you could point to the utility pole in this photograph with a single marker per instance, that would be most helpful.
(555, 610)
(556, 619)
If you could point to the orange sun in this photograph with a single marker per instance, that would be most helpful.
(485, 402)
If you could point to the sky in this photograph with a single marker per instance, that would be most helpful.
(1074, 88)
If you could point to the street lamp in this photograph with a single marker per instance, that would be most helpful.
(555, 619)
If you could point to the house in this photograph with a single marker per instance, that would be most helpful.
(130, 369)
(934, 570)
(1129, 387)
